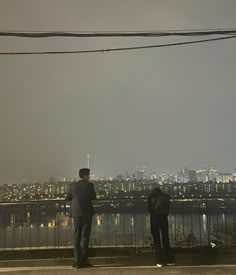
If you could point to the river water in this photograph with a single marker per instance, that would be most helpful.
(123, 229)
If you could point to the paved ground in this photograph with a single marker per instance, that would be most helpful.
(134, 270)
(193, 261)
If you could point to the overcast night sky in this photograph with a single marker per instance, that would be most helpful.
(164, 108)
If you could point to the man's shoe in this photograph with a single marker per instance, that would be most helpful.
(171, 264)
(75, 265)
(159, 265)
(87, 265)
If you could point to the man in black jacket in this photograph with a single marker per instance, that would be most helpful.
(158, 207)
(81, 194)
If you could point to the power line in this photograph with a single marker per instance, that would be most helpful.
(106, 31)
(35, 34)
(121, 48)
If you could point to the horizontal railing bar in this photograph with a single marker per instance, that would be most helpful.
(115, 199)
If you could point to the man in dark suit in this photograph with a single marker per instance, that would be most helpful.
(81, 194)
(158, 207)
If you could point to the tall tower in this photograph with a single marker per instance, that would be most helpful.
(88, 160)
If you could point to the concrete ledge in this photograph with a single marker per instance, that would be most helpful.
(205, 270)
(96, 261)
(120, 257)
(53, 253)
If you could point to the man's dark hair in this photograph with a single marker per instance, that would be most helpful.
(84, 172)
(157, 190)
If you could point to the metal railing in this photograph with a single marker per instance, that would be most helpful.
(118, 222)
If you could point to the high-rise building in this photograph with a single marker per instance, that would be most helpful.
(180, 176)
(192, 176)
(224, 177)
(186, 175)
(202, 175)
(234, 175)
(212, 173)
(124, 176)
(183, 175)
(88, 161)
(153, 176)
(140, 175)
(60, 179)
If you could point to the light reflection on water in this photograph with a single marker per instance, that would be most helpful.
(112, 229)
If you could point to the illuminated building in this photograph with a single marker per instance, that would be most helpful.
(202, 175)
(224, 178)
(234, 175)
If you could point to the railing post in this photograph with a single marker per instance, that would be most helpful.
(191, 221)
(99, 232)
(217, 224)
(208, 223)
(38, 235)
(58, 230)
(107, 230)
(4, 238)
(13, 231)
(124, 234)
(175, 228)
(200, 229)
(66, 231)
(21, 241)
(134, 226)
(54, 233)
(142, 231)
(47, 234)
(30, 235)
(234, 228)
(226, 231)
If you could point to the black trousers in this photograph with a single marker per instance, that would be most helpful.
(82, 230)
(160, 234)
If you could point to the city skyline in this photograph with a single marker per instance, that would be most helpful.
(147, 173)
(191, 184)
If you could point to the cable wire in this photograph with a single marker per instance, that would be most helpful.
(119, 49)
(27, 34)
